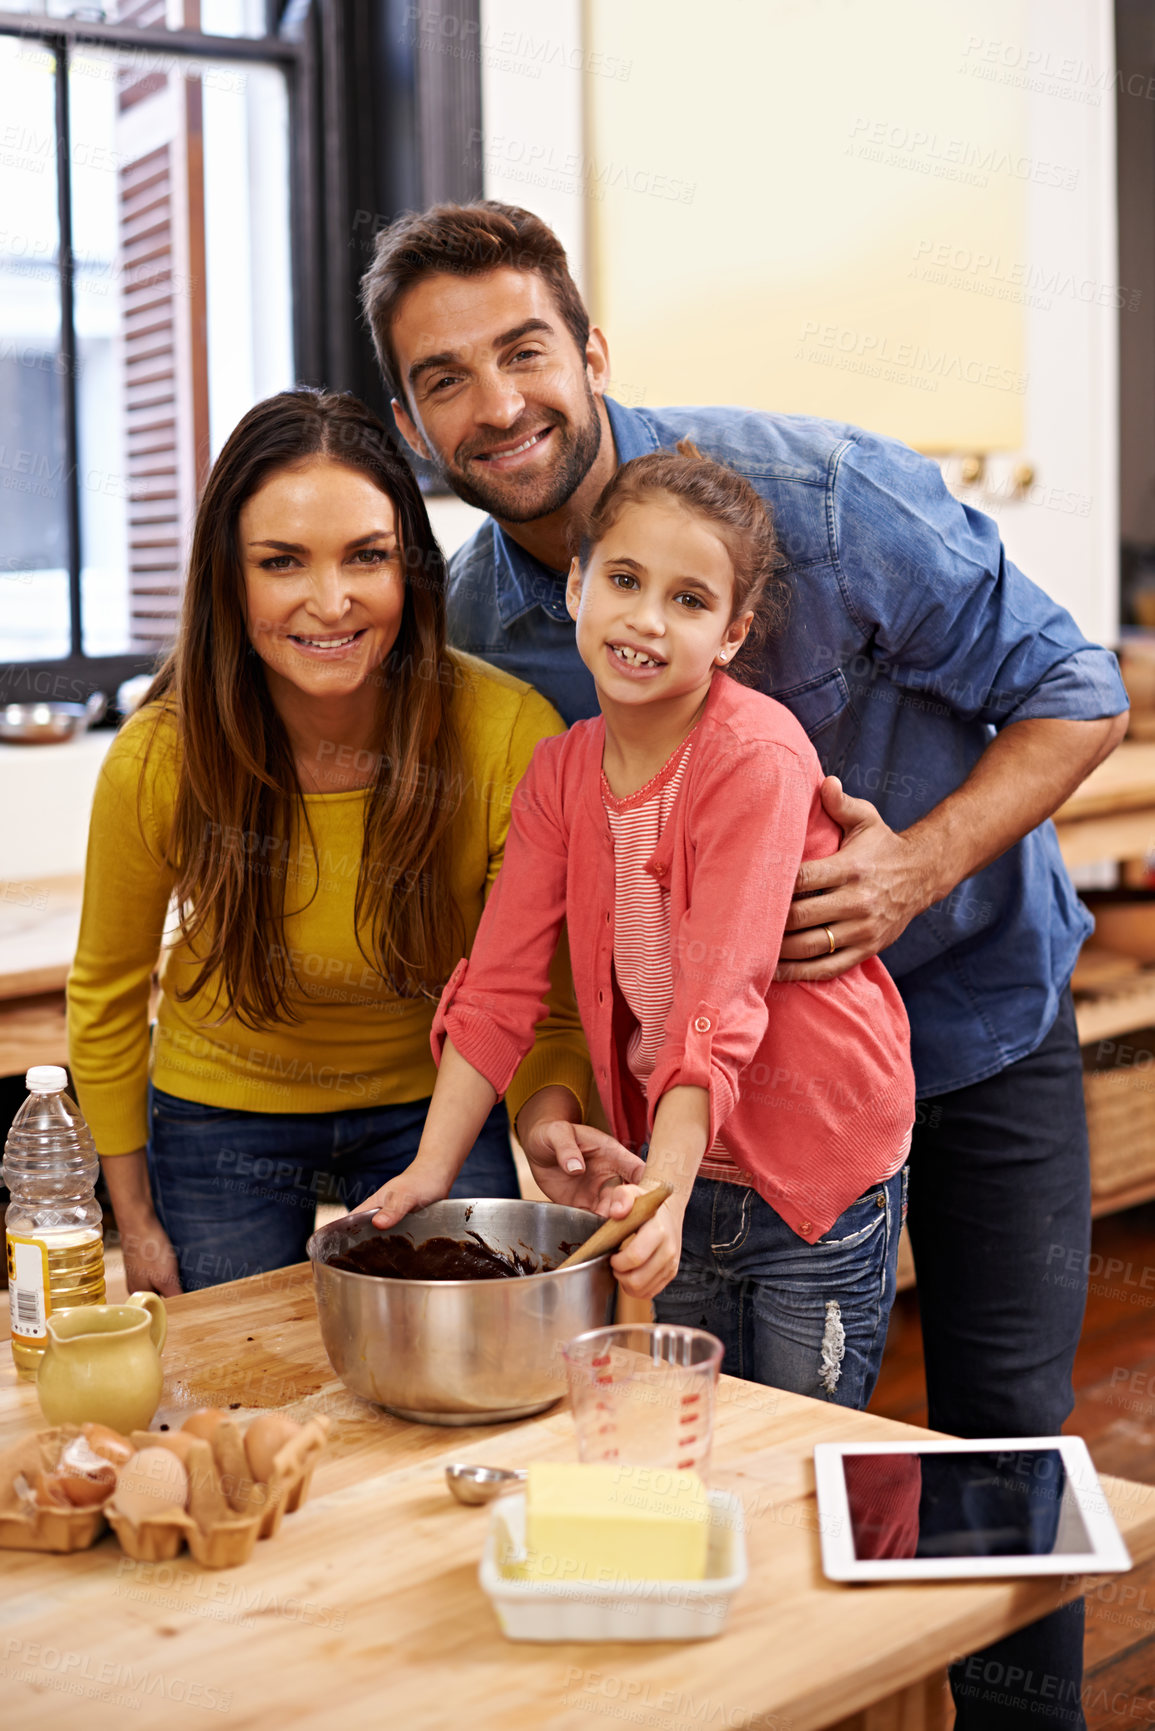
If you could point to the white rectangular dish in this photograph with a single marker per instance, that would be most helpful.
(615, 1610)
(963, 1510)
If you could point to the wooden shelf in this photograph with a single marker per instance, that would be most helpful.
(1114, 1201)
(1128, 1006)
(1124, 782)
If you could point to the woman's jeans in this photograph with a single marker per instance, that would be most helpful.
(237, 1191)
(810, 1318)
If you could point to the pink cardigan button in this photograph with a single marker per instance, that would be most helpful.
(702, 1024)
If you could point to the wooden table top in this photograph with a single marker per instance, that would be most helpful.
(366, 1608)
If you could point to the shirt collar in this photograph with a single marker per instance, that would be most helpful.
(523, 582)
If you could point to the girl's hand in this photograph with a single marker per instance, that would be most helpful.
(648, 1261)
(579, 1166)
(416, 1187)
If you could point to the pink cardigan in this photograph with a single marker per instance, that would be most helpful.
(811, 1085)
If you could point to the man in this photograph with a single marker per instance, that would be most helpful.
(930, 674)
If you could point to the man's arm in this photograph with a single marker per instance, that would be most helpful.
(948, 615)
(881, 879)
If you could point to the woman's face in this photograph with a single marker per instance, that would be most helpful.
(324, 580)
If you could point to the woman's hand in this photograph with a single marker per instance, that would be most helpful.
(416, 1187)
(150, 1263)
(579, 1166)
(648, 1261)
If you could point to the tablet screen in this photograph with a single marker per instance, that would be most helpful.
(1009, 1503)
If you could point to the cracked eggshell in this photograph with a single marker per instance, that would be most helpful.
(107, 1443)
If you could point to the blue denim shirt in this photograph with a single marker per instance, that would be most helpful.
(911, 639)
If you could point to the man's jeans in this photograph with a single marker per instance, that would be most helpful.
(237, 1191)
(1000, 1222)
(810, 1318)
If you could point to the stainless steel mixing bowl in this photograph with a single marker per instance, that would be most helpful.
(461, 1351)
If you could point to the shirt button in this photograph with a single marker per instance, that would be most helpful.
(702, 1023)
(660, 869)
(805, 1227)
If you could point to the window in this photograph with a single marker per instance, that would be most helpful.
(146, 286)
(189, 191)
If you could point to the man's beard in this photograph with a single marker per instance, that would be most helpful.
(515, 500)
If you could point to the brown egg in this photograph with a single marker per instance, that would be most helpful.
(153, 1481)
(264, 1439)
(178, 1442)
(108, 1443)
(204, 1422)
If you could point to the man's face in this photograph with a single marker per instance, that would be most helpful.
(498, 395)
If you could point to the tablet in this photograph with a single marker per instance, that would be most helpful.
(938, 1511)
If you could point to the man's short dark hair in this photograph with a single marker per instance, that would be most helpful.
(462, 240)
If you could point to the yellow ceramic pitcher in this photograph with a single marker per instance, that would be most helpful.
(102, 1363)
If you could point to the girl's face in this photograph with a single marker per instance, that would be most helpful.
(654, 603)
(324, 584)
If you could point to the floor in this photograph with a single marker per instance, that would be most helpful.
(1115, 1412)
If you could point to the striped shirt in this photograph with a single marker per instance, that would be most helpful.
(642, 963)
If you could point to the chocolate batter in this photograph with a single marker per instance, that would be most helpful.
(398, 1258)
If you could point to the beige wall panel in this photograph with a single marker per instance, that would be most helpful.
(816, 206)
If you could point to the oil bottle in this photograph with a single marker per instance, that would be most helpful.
(53, 1231)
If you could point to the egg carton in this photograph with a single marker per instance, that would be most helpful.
(228, 1508)
(29, 1526)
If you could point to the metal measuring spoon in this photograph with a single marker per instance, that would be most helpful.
(470, 1484)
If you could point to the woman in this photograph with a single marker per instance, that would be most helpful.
(323, 789)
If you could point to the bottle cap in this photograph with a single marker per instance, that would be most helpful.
(46, 1078)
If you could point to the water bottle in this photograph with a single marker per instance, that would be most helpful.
(55, 1239)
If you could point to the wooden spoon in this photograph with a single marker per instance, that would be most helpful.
(611, 1233)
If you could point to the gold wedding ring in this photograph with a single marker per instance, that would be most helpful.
(830, 936)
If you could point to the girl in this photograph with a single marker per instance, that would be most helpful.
(324, 789)
(668, 834)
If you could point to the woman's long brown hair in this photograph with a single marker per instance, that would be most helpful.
(239, 813)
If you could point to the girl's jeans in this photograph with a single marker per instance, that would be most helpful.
(237, 1191)
(809, 1318)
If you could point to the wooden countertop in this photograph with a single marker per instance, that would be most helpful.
(39, 924)
(366, 1609)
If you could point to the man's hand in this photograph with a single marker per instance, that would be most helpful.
(579, 1166)
(871, 889)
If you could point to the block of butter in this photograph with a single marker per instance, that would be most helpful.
(600, 1522)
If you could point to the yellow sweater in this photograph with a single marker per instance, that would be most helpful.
(357, 1043)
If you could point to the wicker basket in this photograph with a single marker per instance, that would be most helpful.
(1121, 1125)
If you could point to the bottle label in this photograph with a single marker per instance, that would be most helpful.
(29, 1291)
